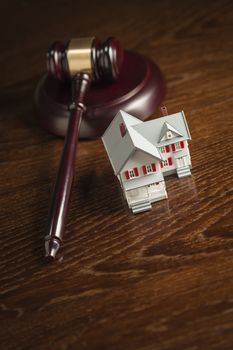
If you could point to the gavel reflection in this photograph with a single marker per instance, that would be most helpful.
(81, 60)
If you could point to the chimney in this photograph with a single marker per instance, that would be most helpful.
(164, 111)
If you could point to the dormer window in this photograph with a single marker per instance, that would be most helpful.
(169, 135)
(168, 132)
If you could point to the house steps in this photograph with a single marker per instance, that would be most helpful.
(142, 206)
(184, 171)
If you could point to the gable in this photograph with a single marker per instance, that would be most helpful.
(153, 130)
(168, 132)
(141, 143)
(121, 141)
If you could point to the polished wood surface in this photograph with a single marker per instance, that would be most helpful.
(158, 280)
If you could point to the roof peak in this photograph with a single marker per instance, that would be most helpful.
(168, 132)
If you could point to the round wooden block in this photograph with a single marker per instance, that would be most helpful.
(138, 91)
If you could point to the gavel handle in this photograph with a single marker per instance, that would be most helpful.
(62, 190)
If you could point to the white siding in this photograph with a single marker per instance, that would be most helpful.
(137, 160)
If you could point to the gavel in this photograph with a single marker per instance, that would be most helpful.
(82, 61)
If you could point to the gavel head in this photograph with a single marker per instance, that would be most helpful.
(101, 60)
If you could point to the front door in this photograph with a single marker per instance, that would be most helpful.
(181, 162)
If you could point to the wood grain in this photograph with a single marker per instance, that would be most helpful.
(159, 280)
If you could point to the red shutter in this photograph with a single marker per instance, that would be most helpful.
(153, 167)
(144, 170)
(161, 164)
(173, 147)
(135, 171)
(170, 160)
(182, 144)
(127, 175)
(167, 148)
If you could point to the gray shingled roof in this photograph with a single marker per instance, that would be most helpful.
(152, 129)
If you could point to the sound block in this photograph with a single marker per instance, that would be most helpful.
(138, 91)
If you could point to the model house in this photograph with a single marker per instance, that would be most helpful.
(143, 153)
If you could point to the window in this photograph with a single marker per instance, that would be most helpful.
(165, 149)
(131, 174)
(166, 162)
(122, 129)
(148, 169)
(177, 146)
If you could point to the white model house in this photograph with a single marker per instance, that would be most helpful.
(142, 153)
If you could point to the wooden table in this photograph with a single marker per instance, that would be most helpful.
(158, 280)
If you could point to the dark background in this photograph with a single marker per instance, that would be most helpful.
(159, 280)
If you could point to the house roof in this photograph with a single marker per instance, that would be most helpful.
(143, 144)
(167, 127)
(145, 136)
(119, 148)
(154, 130)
